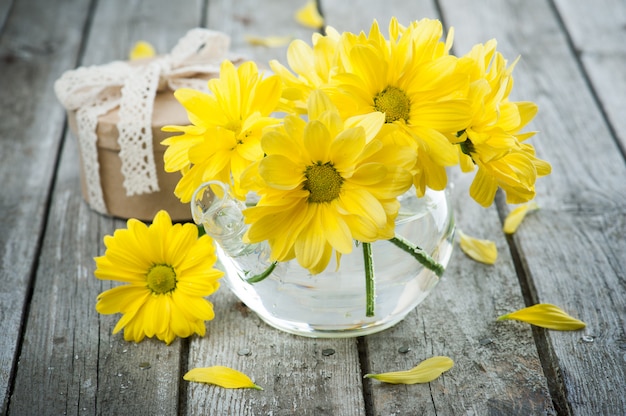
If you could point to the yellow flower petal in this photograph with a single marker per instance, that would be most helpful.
(309, 16)
(545, 315)
(515, 217)
(221, 376)
(141, 50)
(425, 372)
(268, 41)
(484, 251)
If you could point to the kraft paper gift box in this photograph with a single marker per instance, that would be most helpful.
(117, 111)
(167, 111)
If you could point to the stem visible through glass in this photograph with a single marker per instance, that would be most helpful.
(369, 279)
(370, 288)
(261, 276)
(419, 254)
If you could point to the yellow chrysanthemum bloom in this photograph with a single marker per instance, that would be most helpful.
(493, 141)
(325, 183)
(313, 67)
(225, 134)
(168, 269)
(414, 81)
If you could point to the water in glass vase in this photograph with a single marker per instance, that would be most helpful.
(331, 304)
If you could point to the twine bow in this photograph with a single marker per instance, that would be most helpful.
(93, 91)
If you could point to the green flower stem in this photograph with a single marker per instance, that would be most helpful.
(369, 279)
(261, 276)
(419, 254)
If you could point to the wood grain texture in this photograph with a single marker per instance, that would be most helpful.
(242, 18)
(295, 373)
(68, 354)
(5, 8)
(34, 51)
(598, 34)
(572, 252)
(497, 369)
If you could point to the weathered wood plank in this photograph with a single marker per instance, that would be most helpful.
(34, 50)
(598, 32)
(70, 362)
(497, 370)
(296, 376)
(343, 17)
(280, 363)
(5, 8)
(242, 18)
(582, 220)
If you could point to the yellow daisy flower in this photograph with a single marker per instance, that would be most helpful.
(493, 141)
(325, 183)
(168, 271)
(413, 80)
(226, 128)
(313, 67)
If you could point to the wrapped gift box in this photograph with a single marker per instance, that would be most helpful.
(117, 111)
(167, 111)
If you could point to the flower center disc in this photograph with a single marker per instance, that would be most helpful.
(161, 278)
(234, 126)
(323, 182)
(394, 103)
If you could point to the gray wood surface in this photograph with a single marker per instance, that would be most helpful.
(58, 356)
(598, 36)
(571, 254)
(68, 348)
(34, 50)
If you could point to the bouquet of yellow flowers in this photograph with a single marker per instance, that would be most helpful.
(329, 143)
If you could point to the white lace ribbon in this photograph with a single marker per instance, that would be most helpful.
(96, 90)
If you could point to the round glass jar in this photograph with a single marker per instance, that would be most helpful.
(331, 304)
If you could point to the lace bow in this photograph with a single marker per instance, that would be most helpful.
(94, 91)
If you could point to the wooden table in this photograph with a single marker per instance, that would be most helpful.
(57, 355)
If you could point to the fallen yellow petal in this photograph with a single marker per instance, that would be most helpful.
(425, 372)
(221, 376)
(484, 251)
(309, 16)
(515, 217)
(141, 50)
(268, 41)
(545, 315)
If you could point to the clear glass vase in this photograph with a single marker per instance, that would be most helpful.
(331, 304)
